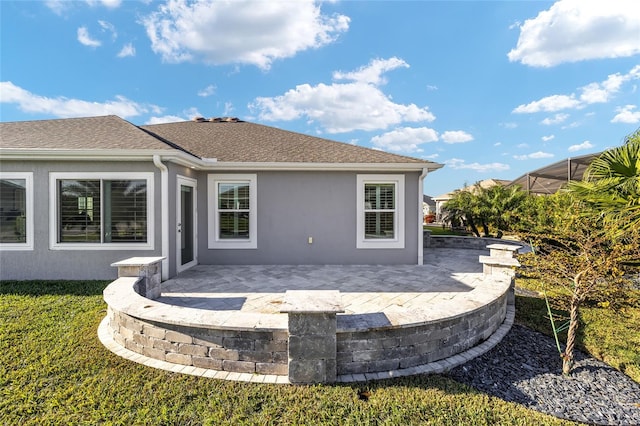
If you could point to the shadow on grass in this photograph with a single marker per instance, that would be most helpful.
(53, 288)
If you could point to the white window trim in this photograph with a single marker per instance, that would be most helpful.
(212, 202)
(28, 177)
(53, 210)
(380, 243)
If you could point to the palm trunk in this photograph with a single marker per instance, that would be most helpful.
(473, 227)
(567, 356)
(485, 228)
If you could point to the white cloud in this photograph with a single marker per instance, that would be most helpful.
(548, 138)
(533, 156)
(85, 38)
(207, 91)
(626, 114)
(343, 107)
(64, 107)
(456, 163)
(549, 104)
(228, 109)
(186, 115)
(164, 119)
(372, 73)
(60, 6)
(581, 147)
(577, 30)
(509, 125)
(107, 26)
(111, 4)
(456, 136)
(431, 87)
(127, 50)
(57, 6)
(245, 32)
(590, 94)
(556, 119)
(405, 139)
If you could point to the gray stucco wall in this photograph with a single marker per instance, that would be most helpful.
(42, 263)
(293, 206)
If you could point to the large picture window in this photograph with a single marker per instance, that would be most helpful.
(380, 210)
(16, 211)
(232, 213)
(102, 210)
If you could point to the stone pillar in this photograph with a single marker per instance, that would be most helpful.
(148, 269)
(312, 335)
(501, 262)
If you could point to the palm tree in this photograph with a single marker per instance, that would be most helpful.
(611, 184)
(460, 209)
(504, 205)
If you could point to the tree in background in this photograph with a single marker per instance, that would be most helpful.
(504, 205)
(496, 208)
(460, 210)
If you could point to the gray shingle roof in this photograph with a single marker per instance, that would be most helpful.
(256, 143)
(235, 142)
(107, 132)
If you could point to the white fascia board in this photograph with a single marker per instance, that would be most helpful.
(401, 167)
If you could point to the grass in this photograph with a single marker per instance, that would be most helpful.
(53, 370)
(437, 229)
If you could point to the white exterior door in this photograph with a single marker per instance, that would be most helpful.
(186, 224)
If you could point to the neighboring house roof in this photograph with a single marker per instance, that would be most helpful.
(90, 133)
(239, 141)
(549, 179)
(428, 200)
(200, 143)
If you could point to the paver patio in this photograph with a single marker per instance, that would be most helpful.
(446, 274)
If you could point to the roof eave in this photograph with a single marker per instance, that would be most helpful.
(80, 154)
(188, 160)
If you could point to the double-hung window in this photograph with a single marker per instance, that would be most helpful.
(232, 211)
(16, 211)
(102, 210)
(380, 210)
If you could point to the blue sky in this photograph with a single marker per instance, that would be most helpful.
(490, 89)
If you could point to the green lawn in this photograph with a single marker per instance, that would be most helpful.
(53, 370)
(439, 230)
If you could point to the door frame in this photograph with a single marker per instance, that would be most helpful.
(193, 183)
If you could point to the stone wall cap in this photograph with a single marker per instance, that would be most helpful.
(312, 302)
(509, 247)
(138, 261)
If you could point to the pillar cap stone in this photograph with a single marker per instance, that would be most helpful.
(312, 302)
(138, 261)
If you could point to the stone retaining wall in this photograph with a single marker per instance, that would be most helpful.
(400, 348)
(261, 352)
(308, 336)
(459, 242)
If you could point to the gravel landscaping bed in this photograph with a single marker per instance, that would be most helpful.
(525, 368)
